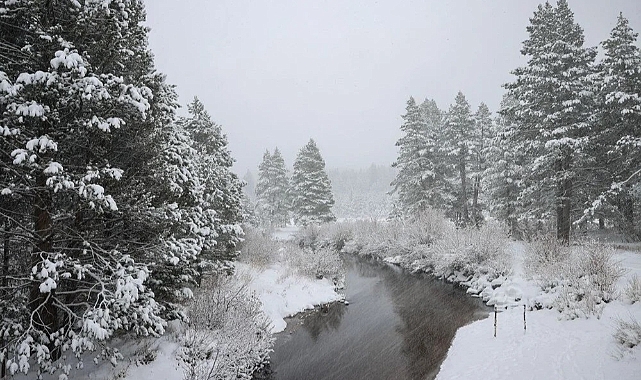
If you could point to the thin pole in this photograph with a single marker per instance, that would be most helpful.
(495, 312)
(524, 323)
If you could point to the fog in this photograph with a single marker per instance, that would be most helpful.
(275, 73)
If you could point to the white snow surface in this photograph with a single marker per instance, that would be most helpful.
(284, 293)
(550, 348)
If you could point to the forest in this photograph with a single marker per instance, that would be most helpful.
(123, 222)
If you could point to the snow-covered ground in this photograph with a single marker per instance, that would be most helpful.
(550, 348)
(284, 293)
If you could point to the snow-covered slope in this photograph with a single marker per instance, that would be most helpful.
(550, 348)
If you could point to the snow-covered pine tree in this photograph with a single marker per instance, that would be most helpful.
(272, 190)
(459, 145)
(553, 112)
(484, 131)
(75, 75)
(439, 187)
(418, 181)
(502, 174)
(222, 187)
(312, 197)
(617, 139)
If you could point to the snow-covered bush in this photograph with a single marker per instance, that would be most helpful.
(258, 249)
(227, 336)
(321, 263)
(633, 290)
(427, 227)
(546, 260)
(582, 277)
(600, 268)
(378, 239)
(335, 235)
(308, 237)
(627, 334)
(472, 251)
(588, 281)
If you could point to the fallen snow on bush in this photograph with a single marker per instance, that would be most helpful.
(596, 346)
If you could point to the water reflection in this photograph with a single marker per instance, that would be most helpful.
(327, 318)
(430, 312)
(397, 326)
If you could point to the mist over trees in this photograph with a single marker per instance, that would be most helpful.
(362, 193)
(562, 153)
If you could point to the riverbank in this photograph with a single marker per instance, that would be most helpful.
(552, 347)
(283, 293)
(397, 325)
(584, 298)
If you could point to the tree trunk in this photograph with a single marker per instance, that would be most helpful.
(475, 201)
(5, 255)
(464, 209)
(625, 205)
(47, 316)
(563, 199)
(5, 285)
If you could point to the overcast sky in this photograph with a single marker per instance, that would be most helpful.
(275, 73)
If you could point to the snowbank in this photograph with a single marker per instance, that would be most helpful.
(550, 348)
(284, 293)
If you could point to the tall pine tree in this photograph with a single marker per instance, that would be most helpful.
(76, 78)
(460, 143)
(553, 111)
(311, 189)
(617, 138)
(418, 181)
(272, 190)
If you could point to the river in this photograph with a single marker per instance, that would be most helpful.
(396, 326)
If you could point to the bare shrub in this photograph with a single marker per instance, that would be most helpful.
(628, 334)
(583, 277)
(308, 237)
(633, 290)
(227, 336)
(600, 268)
(322, 263)
(427, 227)
(547, 260)
(473, 250)
(336, 235)
(258, 249)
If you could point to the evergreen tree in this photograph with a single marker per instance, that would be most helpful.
(460, 144)
(502, 175)
(272, 190)
(439, 187)
(484, 130)
(76, 78)
(312, 191)
(418, 182)
(553, 111)
(615, 144)
(222, 187)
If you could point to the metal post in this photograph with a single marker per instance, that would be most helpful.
(524, 323)
(495, 313)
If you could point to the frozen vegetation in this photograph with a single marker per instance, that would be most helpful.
(581, 301)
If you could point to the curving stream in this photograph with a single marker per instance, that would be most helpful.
(396, 326)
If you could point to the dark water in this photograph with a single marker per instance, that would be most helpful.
(396, 326)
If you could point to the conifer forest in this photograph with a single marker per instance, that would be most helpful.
(135, 244)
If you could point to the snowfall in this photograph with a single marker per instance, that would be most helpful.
(545, 346)
(549, 347)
